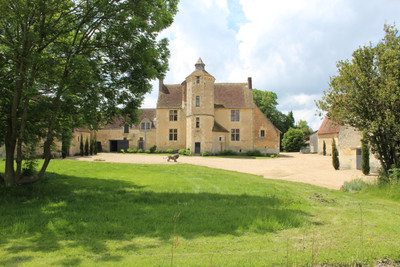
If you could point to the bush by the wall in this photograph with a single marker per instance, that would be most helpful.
(254, 153)
(182, 151)
(227, 153)
(140, 150)
(188, 152)
(206, 154)
(147, 151)
(153, 149)
(170, 151)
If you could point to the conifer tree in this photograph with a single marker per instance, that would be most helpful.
(324, 148)
(365, 156)
(91, 148)
(335, 155)
(86, 147)
(81, 146)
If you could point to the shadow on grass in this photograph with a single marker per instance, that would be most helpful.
(87, 212)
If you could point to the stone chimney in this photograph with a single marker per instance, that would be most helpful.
(249, 83)
(160, 84)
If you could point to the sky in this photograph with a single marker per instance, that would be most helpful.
(289, 47)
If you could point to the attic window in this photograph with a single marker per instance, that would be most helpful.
(126, 128)
(197, 79)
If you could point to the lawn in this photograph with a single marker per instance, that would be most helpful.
(109, 214)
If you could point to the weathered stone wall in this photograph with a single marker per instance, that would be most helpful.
(245, 125)
(314, 143)
(270, 142)
(163, 126)
(328, 140)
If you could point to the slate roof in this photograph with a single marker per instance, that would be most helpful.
(328, 127)
(226, 95)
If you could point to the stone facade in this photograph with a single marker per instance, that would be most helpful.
(348, 141)
(202, 116)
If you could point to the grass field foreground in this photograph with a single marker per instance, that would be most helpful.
(108, 214)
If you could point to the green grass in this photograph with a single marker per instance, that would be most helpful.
(108, 214)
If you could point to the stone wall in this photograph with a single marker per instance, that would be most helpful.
(270, 142)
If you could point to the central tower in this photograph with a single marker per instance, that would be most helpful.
(199, 109)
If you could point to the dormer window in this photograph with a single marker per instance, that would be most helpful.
(126, 128)
(197, 79)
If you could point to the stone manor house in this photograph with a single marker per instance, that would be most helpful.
(199, 115)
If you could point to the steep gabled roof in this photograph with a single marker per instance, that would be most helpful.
(232, 95)
(328, 127)
(118, 122)
(170, 96)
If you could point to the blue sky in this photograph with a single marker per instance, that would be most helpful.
(289, 47)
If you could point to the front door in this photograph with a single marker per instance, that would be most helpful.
(141, 143)
(197, 148)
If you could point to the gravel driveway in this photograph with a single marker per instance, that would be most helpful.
(305, 168)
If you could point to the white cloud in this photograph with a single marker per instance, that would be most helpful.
(290, 46)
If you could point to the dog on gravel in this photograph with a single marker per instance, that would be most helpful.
(174, 157)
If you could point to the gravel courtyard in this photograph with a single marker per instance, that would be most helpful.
(305, 168)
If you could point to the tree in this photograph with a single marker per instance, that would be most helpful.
(293, 140)
(91, 146)
(302, 125)
(365, 156)
(74, 63)
(266, 101)
(366, 95)
(86, 147)
(335, 155)
(81, 150)
(324, 148)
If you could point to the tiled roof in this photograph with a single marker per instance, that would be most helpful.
(231, 95)
(226, 95)
(170, 97)
(118, 122)
(328, 127)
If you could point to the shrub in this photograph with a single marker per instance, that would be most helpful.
(188, 152)
(170, 151)
(227, 153)
(355, 185)
(182, 151)
(324, 148)
(130, 150)
(147, 151)
(335, 155)
(254, 153)
(153, 149)
(140, 150)
(122, 151)
(206, 154)
(365, 156)
(158, 151)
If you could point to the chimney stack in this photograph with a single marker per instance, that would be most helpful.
(249, 83)
(160, 84)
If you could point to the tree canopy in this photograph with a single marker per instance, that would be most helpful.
(266, 101)
(293, 140)
(366, 95)
(70, 63)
